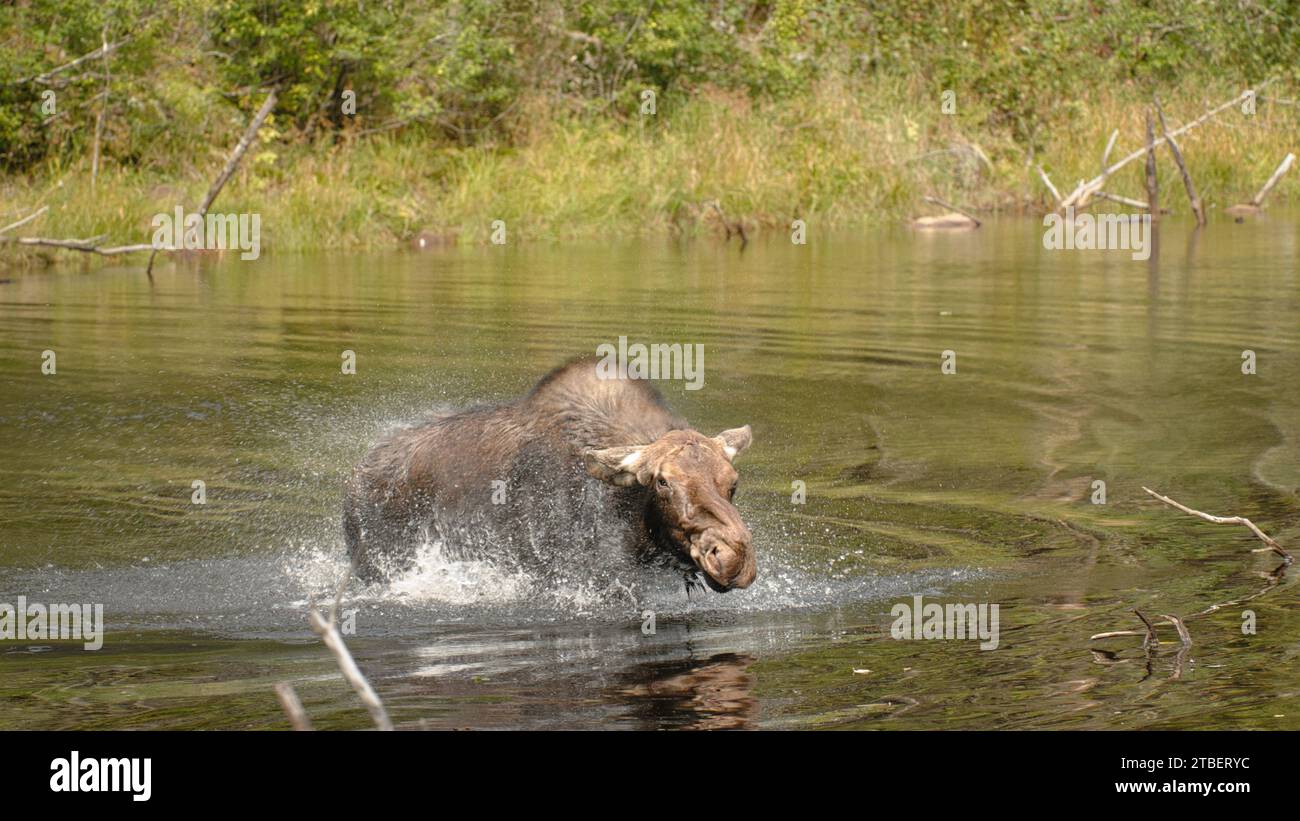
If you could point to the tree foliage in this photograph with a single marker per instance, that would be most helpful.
(189, 71)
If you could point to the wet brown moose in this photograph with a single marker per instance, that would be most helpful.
(580, 464)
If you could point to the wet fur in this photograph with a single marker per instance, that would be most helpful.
(435, 480)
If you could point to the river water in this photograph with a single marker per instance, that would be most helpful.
(974, 487)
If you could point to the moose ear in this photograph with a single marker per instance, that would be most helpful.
(734, 441)
(618, 466)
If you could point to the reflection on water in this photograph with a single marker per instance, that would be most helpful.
(711, 694)
(974, 487)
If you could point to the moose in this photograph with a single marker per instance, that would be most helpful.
(581, 464)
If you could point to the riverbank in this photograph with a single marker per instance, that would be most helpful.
(843, 155)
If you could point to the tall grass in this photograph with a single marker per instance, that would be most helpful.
(842, 155)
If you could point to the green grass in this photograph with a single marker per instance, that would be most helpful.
(836, 157)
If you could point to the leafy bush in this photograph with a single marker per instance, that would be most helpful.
(469, 71)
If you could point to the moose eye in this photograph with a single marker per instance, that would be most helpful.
(732, 493)
(663, 483)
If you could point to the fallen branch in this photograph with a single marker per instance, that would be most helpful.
(103, 110)
(1257, 202)
(1110, 144)
(327, 628)
(1105, 172)
(103, 51)
(24, 220)
(1153, 185)
(1183, 635)
(1102, 195)
(88, 246)
(1230, 520)
(1084, 190)
(292, 706)
(1150, 640)
(1149, 633)
(1116, 634)
(250, 134)
(1197, 207)
(1056, 195)
(1287, 162)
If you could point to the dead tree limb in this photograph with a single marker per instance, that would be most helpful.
(1110, 145)
(1101, 178)
(1149, 634)
(103, 51)
(1153, 185)
(238, 154)
(327, 628)
(292, 706)
(103, 110)
(250, 134)
(1258, 199)
(1056, 195)
(1150, 640)
(1102, 195)
(1230, 520)
(89, 246)
(1086, 189)
(20, 223)
(1183, 635)
(1197, 207)
(1246, 209)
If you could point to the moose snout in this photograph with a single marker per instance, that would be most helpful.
(728, 559)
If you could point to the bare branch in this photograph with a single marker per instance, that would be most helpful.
(292, 706)
(88, 246)
(1287, 162)
(1150, 640)
(1102, 195)
(1228, 520)
(1115, 634)
(1110, 145)
(327, 629)
(1198, 208)
(1085, 190)
(103, 51)
(24, 220)
(1056, 195)
(1182, 629)
(1153, 185)
(250, 134)
(1149, 635)
(103, 110)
